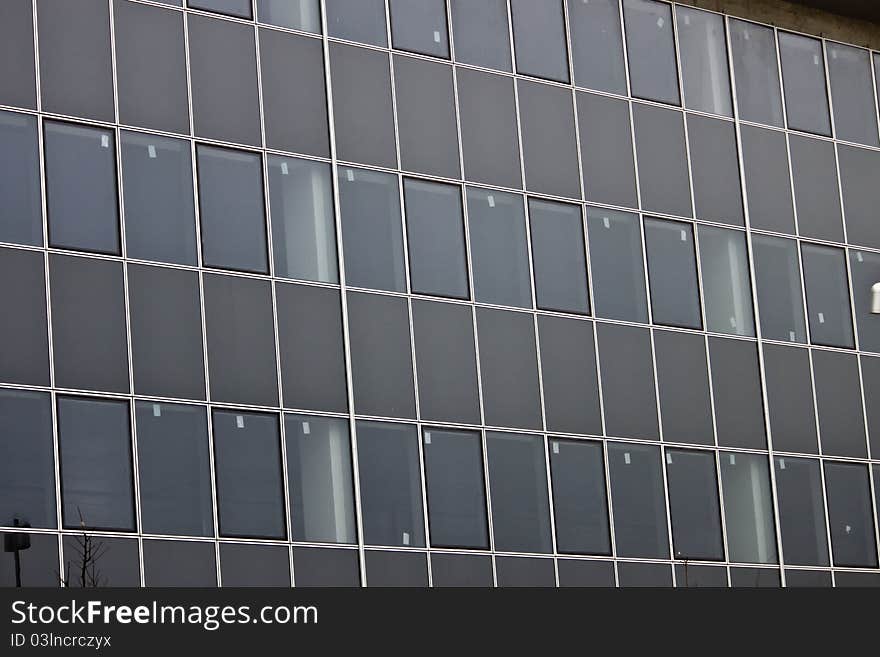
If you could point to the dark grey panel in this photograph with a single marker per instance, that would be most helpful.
(539, 37)
(828, 307)
(24, 335)
(21, 208)
(683, 379)
(606, 150)
(178, 563)
(851, 85)
(617, 266)
(254, 565)
(765, 163)
(839, 402)
(778, 283)
(420, 26)
(461, 570)
(753, 578)
(736, 383)
(803, 77)
(641, 575)
(715, 168)
(688, 576)
(672, 270)
(850, 515)
(357, 20)
(238, 8)
(638, 501)
(650, 40)
(396, 569)
(859, 171)
(814, 171)
(748, 507)
(662, 156)
(302, 15)
(585, 573)
(865, 271)
(116, 562)
(801, 511)
(755, 69)
(481, 33)
(40, 568)
(597, 45)
(704, 65)
(790, 399)
(559, 256)
(693, 505)
(88, 324)
(849, 579)
(17, 77)
(580, 506)
(525, 572)
(807, 578)
(871, 381)
(325, 567)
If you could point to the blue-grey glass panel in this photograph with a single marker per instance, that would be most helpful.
(326, 567)
(693, 505)
(638, 501)
(239, 8)
(597, 45)
(539, 38)
(683, 382)
(609, 174)
(481, 34)
(727, 290)
(715, 170)
(825, 279)
(302, 15)
(644, 575)
(24, 357)
(585, 573)
(777, 277)
(850, 515)
(524, 572)
(859, 172)
(396, 569)
(255, 565)
(99, 561)
(179, 563)
(664, 181)
(456, 570)
(803, 76)
(849, 69)
(766, 170)
(672, 270)
(650, 40)
(756, 72)
(579, 502)
(790, 399)
(704, 69)
(801, 511)
(20, 204)
(419, 26)
(617, 266)
(559, 256)
(807, 578)
(736, 386)
(754, 578)
(17, 76)
(865, 271)
(696, 576)
(357, 20)
(839, 403)
(748, 507)
(816, 192)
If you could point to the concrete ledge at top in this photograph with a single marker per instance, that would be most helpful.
(850, 21)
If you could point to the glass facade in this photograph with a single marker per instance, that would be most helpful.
(501, 293)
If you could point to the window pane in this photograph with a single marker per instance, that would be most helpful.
(158, 192)
(865, 271)
(24, 356)
(461, 570)
(303, 228)
(525, 572)
(662, 156)
(420, 26)
(808, 578)
(99, 561)
(814, 171)
(839, 403)
(652, 575)
(357, 20)
(703, 46)
(650, 41)
(765, 165)
(617, 265)
(539, 37)
(609, 174)
(17, 77)
(326, 567)
(20, 205)
(683, 380)
(37, 567)
(803, 74)
(558, 252)
(240, 8)
(455, 488)
(302, 15)
(597, 45)
(247, 462)
(672, 269)
(756, 72)
(518, 488)
(777, 274)
(627, 381)
(391, 488)
(509, 368)
(790, 399)
(78, 158)
(727, 292)
(481, 33)
(435, 233)
(715, 170)
(850, 71)
(871, 381)
(396, 569)
(859, 170)
(319, 479)
(695, 576)
(693, 505)
(232, 212)
(736, 385)
(499, 250)
(179, 563)
(752, 578)
(827, 296)
(174, 469)
(638, 501)
(748, 508)
(27, 470)
(254, 565)
(801, 511)
(583, 573)
(371, 234)
(95, 452)
(579, 501)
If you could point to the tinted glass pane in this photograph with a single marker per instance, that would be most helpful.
(17, 78)
(638, 501)
(584, 573)
(174, 469)
(777, 274)
(240, 8)
(319, 479)
(38, 566)
(703, 46)
(579, 501)
(652, 575)
(232, 212)
(755, 578)
(871, 381)
(814, 171)
(20, 204)
(650, 41)
(850, 515)
(748, 508)
(95, 452)
(850, 72)
(88, 324)
(499, 250)
(178, 563)
(807, 578)
(765, 166)
(693, 505)
(24, 357)
(27, 470)
(391, 488)
(736, 384)
(839, 403)
(859, 169)
(606, 150)
(302, 15)
(241, 343)
(683, 380)
(481, 33)
(520, 572)
(98, 561)
(790, 398)
(596, 45)
(663, 169)
(446, 362)
(724, 266)
(865, 271)
(828, 306)
(326, 567)
(803, 73)
(558, 253)
(461, 570)
(539, 37)
(396, 569)
(617, 265)
(627, 381)
(455, 488)
(381, 360)
(158, 192)
(509, 368)
(756, 72)
(303, 228)
(371, 234)
(77, 158)
(434, 231)
(715, 169)
(801, 511)
(518, 488)
(357, 20)
(672, 269)
(254, 565)
(688, 576)
(848, 579)
(247, 464)
(420, 26)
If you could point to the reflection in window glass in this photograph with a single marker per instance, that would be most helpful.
(617, 265)
(579, 502)
(518, 491)
(693, 505)
(435, 233)
(851, 92)
(371, 233)
(777, 273)
(419, 26)
(391, 488)
(78, 158)
(724, 264)
(539, 39)
(302, 15)
(557, 231)
(865, 270)
(827, 296)
(850, 515)
(303, 229)
(455, 488)
(650, 42)
(357, 20)
(115, 562)
(638, 501)
(38, 568)
(801, 511)
(704, 69)
(319, 479)
(20, 206)
(803, 76)
(175, 475)
(672, 269)
(748, 508)
(756, 72)
(499, 251)
(240, 8)
(597, 45)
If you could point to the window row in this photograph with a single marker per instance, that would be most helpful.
(174, 468)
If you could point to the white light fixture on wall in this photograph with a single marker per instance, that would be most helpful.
(875, 299)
